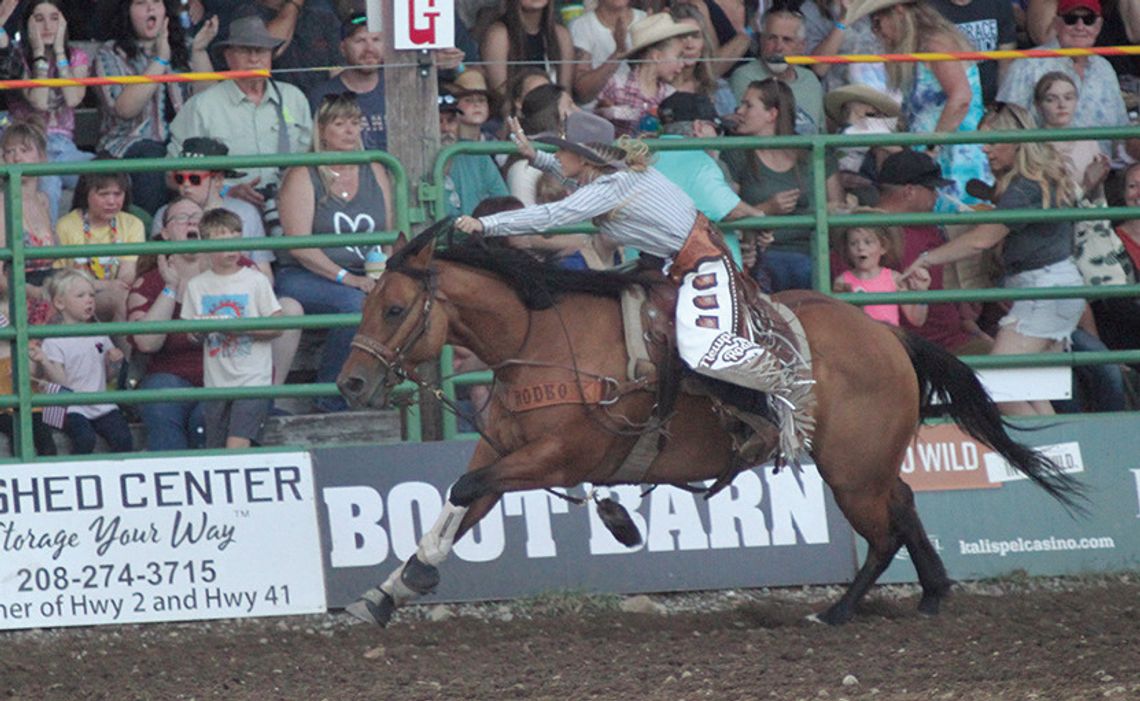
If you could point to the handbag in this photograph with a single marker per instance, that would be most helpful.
(1099, 252)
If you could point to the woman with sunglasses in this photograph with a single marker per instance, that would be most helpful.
(1038, 254)
(938, 97)
(332, 199)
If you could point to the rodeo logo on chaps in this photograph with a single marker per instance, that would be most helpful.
(728, 349)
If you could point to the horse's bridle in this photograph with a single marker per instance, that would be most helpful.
(393, 361)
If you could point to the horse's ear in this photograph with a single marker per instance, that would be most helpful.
(401, 241)
(422, 257)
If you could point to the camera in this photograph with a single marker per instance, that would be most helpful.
(269, 214)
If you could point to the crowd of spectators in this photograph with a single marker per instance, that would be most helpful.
(654, 69)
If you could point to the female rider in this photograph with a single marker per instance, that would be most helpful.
(637, 206)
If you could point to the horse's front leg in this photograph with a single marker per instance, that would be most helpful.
(470, 499)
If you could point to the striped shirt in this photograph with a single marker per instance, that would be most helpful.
(645, 210)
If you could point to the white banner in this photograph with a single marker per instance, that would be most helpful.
(159, 539)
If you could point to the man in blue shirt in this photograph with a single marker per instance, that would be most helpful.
(363, 52)
(685, 114)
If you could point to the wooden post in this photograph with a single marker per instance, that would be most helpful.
(411, 100)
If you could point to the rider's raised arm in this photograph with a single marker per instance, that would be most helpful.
(593, 200)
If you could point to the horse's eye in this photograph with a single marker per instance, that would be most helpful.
(394, 311)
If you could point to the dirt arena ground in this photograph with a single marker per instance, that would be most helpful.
(1005, 640)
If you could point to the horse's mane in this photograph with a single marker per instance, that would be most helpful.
(538, 283)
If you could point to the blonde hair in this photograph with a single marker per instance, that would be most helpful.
(61, 281)
(918, 22)
(1035, 160)
(332, 108)
(630, 151)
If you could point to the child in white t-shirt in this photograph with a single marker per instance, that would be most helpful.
(229, 290)
(81, 364)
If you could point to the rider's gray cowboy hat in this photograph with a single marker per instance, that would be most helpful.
(584, 134)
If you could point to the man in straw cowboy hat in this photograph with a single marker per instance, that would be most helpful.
(637, 206)
(655, 60)
(783, 34)
(248, 115)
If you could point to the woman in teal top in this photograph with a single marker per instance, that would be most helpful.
(943, 96)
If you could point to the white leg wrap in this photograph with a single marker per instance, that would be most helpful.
(436, 543)
(394, 587)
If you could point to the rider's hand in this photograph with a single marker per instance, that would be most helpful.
(469, 225)
(526, 149)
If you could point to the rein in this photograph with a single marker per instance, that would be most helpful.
(393, 361)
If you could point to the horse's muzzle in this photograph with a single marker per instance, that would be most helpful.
(360, 390)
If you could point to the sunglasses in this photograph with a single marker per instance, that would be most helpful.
(193, 178)
(1073, 17)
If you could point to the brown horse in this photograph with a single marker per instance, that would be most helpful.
(536, 324)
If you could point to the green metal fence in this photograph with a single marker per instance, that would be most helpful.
(432, 194)
(822, 221)
(20, 333)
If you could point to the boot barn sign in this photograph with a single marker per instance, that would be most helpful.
(764, 530)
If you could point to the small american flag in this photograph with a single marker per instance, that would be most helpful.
(54, 416)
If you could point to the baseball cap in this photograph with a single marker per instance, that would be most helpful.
(686, 107)
(1064, 7)
(909, 167)
(355, 21)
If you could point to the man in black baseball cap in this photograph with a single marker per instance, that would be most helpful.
(909, 182)
(681, 107)
(909, 167)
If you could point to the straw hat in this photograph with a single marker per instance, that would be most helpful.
(647, 31)
(584, 131)
(864, 8)
(470, 83)
(836, 99)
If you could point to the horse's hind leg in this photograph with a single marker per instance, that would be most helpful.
(887, 524)
(870, 516)
(928, 564)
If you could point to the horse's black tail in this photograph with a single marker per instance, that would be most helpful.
(944, 379)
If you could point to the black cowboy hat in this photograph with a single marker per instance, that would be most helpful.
(202, 147)
(585, 132)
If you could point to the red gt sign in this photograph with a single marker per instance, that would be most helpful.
(424, 24)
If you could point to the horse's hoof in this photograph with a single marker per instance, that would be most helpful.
(834, 616)
(371, 608)
(813, 618)
(929, 607)
(420, 577)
